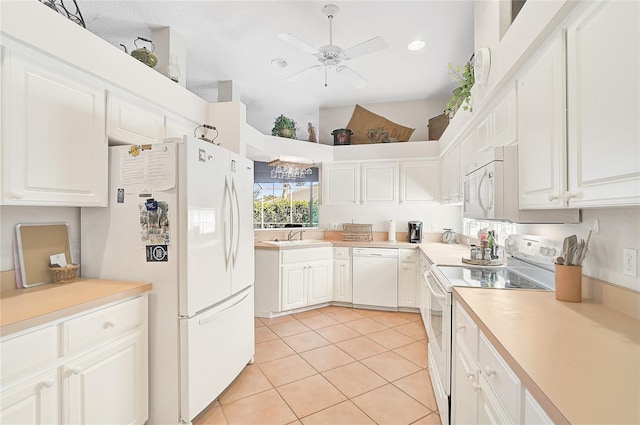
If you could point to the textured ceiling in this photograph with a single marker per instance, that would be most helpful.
(236, 40)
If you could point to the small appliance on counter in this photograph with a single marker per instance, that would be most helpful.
(415, 231)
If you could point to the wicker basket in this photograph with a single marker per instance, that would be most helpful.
(357, 232)
(64, 274)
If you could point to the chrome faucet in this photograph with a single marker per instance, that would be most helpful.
(292, 234)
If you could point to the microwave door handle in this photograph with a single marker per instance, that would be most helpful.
(485, 209)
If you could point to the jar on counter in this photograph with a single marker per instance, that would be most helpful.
(474, 252)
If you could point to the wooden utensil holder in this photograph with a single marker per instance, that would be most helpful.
(569, 283)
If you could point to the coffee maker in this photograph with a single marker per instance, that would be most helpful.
(415, 231)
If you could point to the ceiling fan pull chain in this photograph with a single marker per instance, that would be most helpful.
(325, 77)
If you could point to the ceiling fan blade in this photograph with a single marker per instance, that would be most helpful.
(295, 41)
(354, 78)
(298, 75)
(366, 47)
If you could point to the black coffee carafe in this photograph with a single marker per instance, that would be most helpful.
(415, 231)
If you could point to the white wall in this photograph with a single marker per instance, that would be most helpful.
(10, 216)
(434, 217)
(619, 229)
(411, 113)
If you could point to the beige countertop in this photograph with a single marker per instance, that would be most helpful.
(23, 308)
(445, 254)
(581, 361)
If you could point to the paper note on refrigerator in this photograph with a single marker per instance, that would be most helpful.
(148, 168)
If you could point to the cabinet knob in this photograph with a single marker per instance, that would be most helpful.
(461, 327)
(488, 371)
(48, 383)
(110, 324)
(476, 386)
(75, 370)
(471, 375)
(16, 195)
(552, 197)
(570, 195)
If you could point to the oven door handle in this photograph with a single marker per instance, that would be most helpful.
(441, 297)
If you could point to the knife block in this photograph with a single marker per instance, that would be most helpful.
(569, 283)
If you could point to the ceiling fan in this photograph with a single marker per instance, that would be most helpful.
(332, 56)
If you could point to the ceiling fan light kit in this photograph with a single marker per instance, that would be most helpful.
(332, 56)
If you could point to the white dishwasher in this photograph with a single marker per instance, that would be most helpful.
(375, 277)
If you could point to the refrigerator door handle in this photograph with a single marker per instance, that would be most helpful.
(236, 222)
(227, 248)
(217, 314)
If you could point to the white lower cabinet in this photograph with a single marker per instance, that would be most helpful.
(408, 278)
(342, 281)
(290, 279)
(99, 375)
(33, 401)
(484, 388)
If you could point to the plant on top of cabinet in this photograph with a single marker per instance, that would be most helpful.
(284, 127)
(461, 96)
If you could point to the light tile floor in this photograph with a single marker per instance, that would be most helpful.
(331, 366)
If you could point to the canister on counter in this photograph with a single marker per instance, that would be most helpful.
(474, 251)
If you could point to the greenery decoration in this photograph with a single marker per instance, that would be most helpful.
(284, 127)
(461, 95)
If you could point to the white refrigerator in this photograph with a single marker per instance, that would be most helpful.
(180, 216)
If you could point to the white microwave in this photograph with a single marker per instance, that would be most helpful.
(491, 193)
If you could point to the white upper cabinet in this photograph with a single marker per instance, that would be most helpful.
(380, 182)
(175, 126)
(603, 65)
(419, 181)
(341, 184)
(450, 178)
(54, 148)
(541, 124)
(504, 128)
(132, 121)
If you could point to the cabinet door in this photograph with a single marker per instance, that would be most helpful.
(504, 125)
(175, 126)
(468, 161)
(450, 178)
(342, 284)
(54, 149)
(109, 385)
(294, 288)
(464, 398)
(604, 106)
(483, 137)
(408, 285)
(541, 123)
(490, 411)
(419, 181)
(533, 413)
(319, 288)
(32, 402)
(341, 184)
(132, 121)
(380, 182)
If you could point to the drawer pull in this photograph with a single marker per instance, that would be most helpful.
(48, 383)
(461, 327)
(471, 375)
(488, 371)
(75, 371)
(110, 324)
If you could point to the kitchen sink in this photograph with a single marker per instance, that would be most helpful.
(298, 243)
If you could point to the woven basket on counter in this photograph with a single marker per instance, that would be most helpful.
(65, 274)
(357, 232)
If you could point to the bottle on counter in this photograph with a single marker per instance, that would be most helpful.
(474, 251)
(492, 245)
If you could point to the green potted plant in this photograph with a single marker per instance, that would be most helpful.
(284, 127)
(461, 96)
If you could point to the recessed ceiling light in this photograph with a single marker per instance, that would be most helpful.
(279, 63)
(416, 45)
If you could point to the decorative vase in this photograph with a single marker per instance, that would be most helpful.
(173, 70)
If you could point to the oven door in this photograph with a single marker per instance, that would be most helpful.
(439, 330)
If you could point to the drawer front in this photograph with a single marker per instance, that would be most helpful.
(408, 255)
(103, 325)
(306, 255)
(466, 330)
(342, 253)
(28, 351)
(504, 382)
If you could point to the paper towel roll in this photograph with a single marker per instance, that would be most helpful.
(392, 231)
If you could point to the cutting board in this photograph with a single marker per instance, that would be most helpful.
(36, 243)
